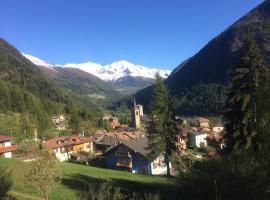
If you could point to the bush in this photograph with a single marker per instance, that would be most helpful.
(101, 191)
(230, 178)
(5, 184)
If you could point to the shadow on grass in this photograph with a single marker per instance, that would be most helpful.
(80, 182)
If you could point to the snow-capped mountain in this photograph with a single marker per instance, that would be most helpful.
(38, 61)
(109, 72)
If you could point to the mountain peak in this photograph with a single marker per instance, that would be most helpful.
(110, 72)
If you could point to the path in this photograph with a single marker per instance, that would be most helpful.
(26, 196)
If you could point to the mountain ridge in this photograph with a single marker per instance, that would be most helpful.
(201, 82)
(110, 72)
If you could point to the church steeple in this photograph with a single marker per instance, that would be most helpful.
(135, 115)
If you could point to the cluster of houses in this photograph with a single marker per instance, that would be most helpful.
(123, 149)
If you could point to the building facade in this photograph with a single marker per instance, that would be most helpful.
(6, 147)
(132, 156)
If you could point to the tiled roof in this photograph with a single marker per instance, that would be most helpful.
(66, 141)
(4, 138)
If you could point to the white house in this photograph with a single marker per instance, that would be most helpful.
(6, 146)
(197, 139)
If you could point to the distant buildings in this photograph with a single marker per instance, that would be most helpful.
(132, 156)
(6, 147)
(59, 122)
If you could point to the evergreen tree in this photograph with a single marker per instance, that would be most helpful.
(241, 110)
(161, 127)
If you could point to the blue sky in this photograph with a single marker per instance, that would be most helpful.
(156, 33)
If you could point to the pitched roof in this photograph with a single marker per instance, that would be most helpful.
(4, 138)
(66, 141)
(139, 145)
(107, 140)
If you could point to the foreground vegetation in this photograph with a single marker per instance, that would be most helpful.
(77, 178)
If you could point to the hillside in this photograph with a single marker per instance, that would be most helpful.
(122, 76)
(77, 176)
(82, 84)
(25, 89)
(131, 84)
(201, 82)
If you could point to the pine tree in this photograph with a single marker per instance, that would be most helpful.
(241, 110)
(161, 127)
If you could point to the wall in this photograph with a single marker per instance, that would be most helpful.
(200, 139)
(139, 163)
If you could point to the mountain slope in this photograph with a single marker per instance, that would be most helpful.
(82, 84)
(125, 77)
(25, 89)
(130, 84)
(206, 75)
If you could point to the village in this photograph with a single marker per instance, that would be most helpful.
(124, 147)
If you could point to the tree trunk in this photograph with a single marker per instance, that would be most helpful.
(168, 167)
(46, 196)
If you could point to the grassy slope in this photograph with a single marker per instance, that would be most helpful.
(75, 176)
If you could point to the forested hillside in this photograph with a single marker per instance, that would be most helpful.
(85, 86)
(24, 89)
(202, 81)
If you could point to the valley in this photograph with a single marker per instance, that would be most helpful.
(88, 130)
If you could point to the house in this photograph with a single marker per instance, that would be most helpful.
(6, 147)
(197, 139)
(132, 156)
(203, 123)
(59, 122)
(218, 129)
(64, 146)
(102, 142)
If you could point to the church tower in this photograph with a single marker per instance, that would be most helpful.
(136, 116)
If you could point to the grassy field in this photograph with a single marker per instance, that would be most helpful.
(77, 176)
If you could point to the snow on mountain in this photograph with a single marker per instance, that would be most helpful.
(38, 61)
(109, 72)
(118, 69)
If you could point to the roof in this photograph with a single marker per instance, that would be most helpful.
(119, 135)
(196, 133)
(139, 145)
(202, 120)
(66, 141)
(4, 138)
(107, 140)
(8, 149)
